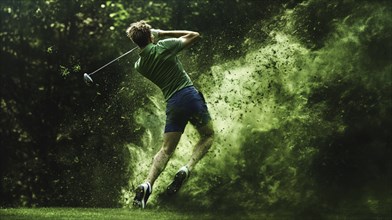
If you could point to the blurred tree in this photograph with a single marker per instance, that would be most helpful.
(55, 148)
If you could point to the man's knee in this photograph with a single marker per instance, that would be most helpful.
(165, 152)
(168, 151)
(170, 142)
(207, 131)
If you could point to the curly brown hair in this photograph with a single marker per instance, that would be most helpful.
(140, 33)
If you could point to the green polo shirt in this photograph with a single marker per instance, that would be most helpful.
(159, 63)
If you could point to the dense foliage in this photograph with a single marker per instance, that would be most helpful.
(300, 92)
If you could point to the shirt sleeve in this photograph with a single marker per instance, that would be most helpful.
(172, 45)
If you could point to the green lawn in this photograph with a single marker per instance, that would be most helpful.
(101, 213)
(155, 214)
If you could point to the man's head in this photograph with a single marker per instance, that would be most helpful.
(140, 33)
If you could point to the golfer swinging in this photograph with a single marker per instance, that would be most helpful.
(159, 63)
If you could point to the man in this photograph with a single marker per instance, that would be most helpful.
(159, 63)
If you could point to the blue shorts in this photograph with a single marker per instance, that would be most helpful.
(185, 105)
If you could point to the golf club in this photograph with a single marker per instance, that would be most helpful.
(87, 76)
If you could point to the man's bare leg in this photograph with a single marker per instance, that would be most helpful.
(201, 148)
(143, 191)
(206, 138)
(170, 141)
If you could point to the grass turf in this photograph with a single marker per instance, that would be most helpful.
(86, 213)
(106, 213)
(150, 214)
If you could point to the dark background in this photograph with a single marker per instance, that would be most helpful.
(64, 144)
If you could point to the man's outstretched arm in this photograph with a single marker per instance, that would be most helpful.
(187, 37)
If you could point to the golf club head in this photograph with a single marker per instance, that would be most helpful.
(87, 79)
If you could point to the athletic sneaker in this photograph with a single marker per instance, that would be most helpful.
(143, 191)
(180, 177)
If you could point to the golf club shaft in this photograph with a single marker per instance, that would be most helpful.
(112, 61)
